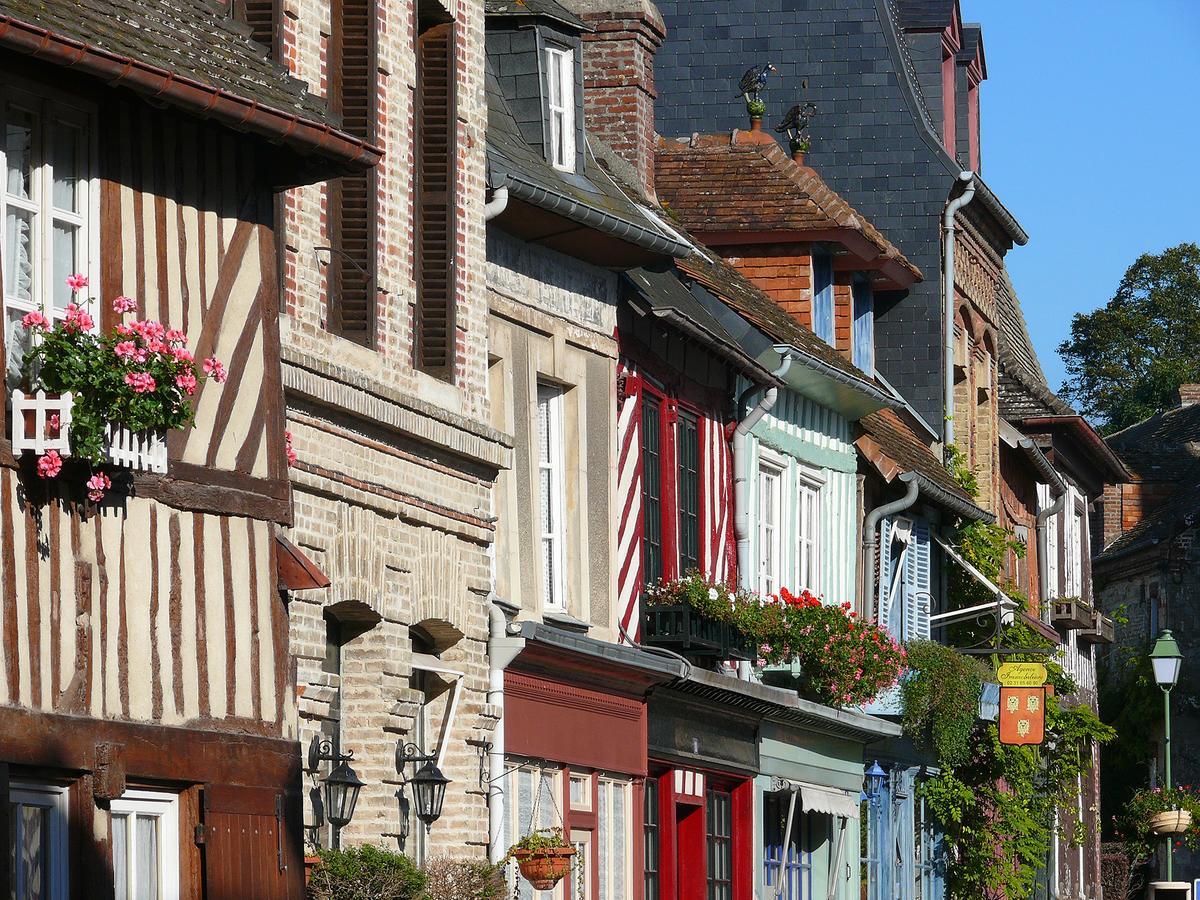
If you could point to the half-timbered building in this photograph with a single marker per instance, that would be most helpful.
(146, 695)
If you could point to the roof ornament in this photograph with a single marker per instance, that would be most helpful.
(753, 83)
(795, 124)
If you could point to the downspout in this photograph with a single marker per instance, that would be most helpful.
(948, 229)
(870, 542)
(502, 650)
(498, 203)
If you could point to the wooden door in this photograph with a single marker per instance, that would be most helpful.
(248, 847)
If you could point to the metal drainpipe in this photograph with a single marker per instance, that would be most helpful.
(948, 229)
(498, 203)
(502, 650)
(741, 480)
(870, 542)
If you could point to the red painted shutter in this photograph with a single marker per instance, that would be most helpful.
(435, 171)
(352, 198)
(249, 849)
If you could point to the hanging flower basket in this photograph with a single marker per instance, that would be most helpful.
(1171, 821)
(543, 857)
(544, 868)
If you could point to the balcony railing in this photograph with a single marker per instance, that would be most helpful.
(1101, 631)
(1071, 612)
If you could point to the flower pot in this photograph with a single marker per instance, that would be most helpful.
(546, 867)
(1171, 821)
(145, 450)
(310, 863)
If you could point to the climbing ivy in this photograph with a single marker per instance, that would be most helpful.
(996, 803)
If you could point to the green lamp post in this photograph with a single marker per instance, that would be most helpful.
(1166, 660)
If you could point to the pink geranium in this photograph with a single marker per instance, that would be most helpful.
(186, 382)
(123, 304)
(214, 370)
(35, 320)
(77, 282)
(175, 336)
(141, 382)
(288, 450)
(183, 354)
(97, 486)
(78, 320)
(128, 350)
(149, 330)
(49, 465)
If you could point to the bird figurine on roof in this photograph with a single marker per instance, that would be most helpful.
(795, 123)
(753, 83)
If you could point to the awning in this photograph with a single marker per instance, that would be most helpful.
(820, 799)
(295, 570)
(1004, 606)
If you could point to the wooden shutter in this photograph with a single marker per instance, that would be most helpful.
(260, 16)
(435, 208)
(917, 598)
(352, 198)
(884, 584)
(250, 847)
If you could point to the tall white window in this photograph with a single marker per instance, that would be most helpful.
(808, 534)
(550, 483)
(48, 209)
(770, 479)
(560, 78)
(37, 816)
(145, 846)
(614, 839)
(533, 801)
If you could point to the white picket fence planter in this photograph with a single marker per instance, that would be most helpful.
(41, 409)
(145, 450)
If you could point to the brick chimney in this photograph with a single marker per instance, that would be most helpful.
(618, 78)
(1188, 394)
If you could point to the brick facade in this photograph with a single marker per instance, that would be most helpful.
(393, 486)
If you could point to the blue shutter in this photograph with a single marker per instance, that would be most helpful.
(885, 571)
(863, 339)
(822, 267)
(881, 875)
(917, 584)
(905, 832)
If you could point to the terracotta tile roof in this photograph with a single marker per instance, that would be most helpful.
(1177, 513)
(892, 447)
(190, 38)
(737, 183)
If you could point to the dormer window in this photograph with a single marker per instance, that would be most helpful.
(560, 78)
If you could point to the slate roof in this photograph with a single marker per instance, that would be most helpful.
(596, 202)
(721, 183)
(1024, 392)
(547, 8)
(925, 13)
(1164, 447)
(191, 38)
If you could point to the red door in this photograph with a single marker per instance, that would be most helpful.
(249, 850)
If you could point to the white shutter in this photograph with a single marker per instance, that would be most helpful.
(885, 571)
(917, 599)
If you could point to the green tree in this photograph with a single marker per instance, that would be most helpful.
(1126, 359)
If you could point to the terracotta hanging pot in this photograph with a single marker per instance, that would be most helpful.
(1171, 821)
(546, 867)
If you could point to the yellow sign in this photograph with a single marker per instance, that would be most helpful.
(1022, 675)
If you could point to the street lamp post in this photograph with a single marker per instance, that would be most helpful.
(1166, 660)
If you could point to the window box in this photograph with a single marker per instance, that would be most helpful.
(145, 450)
(739, 646)
(33, 425)
(1102, 630)
(1071, 612)
(682, 628)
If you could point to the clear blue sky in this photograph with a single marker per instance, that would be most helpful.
(1091, 132)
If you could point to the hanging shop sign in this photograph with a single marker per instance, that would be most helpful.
(1022, 715)
(1022, 675)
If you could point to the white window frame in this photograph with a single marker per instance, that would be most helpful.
(585, 804)
(771, 476)
(48, 107)
(165, 807)
(609, 785)
(551, 460)
(560, 96)
(517, 822)
(53, 798)
(809, 499)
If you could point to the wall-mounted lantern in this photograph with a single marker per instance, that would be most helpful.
(428, 783)
(342, 786)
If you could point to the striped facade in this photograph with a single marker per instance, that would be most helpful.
(815, 443)
(716, 542)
